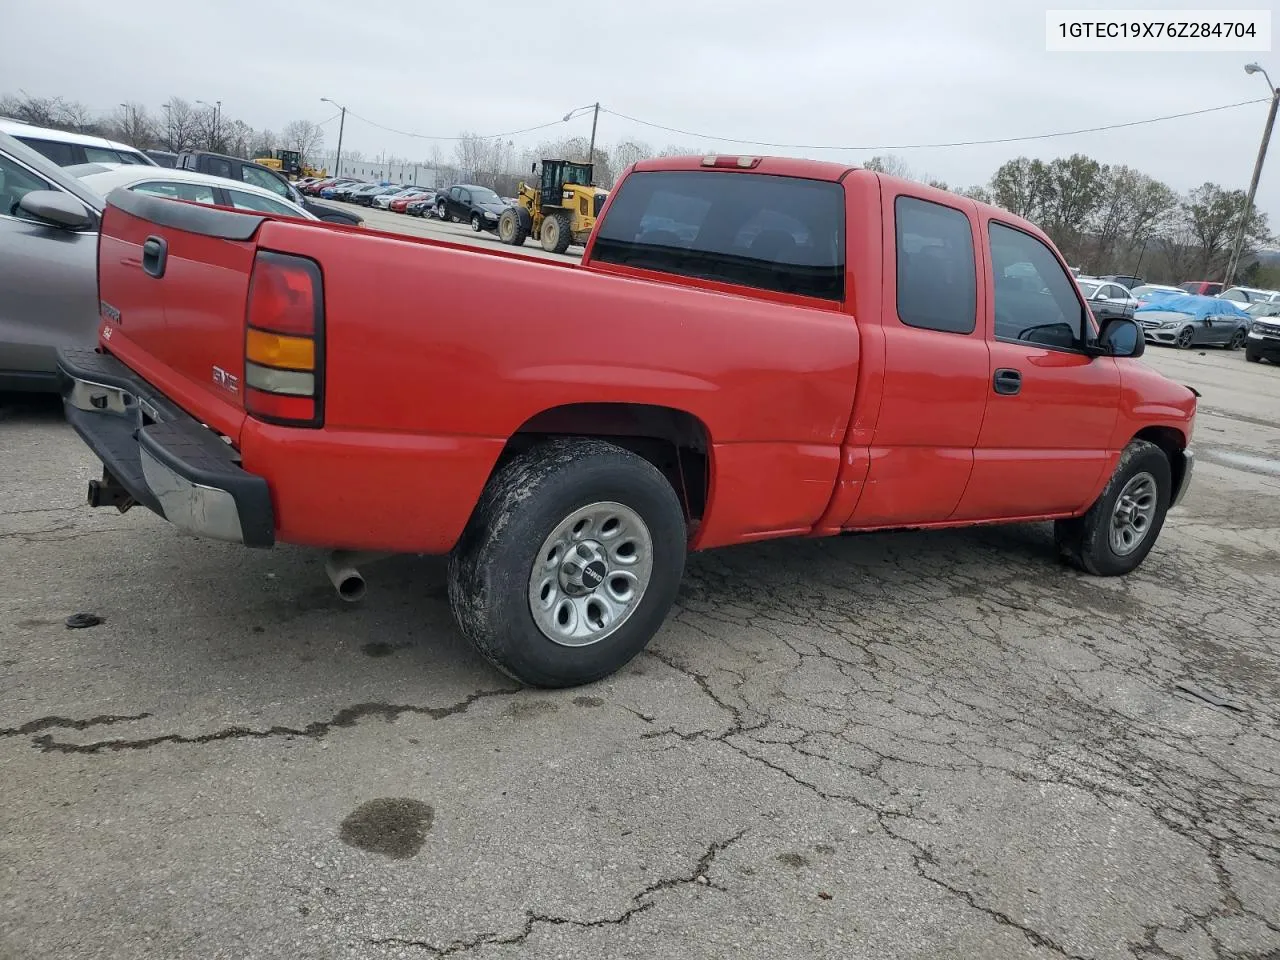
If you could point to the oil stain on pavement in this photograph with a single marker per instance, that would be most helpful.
(393, 827)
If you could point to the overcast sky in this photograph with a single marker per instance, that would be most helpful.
(800, 71)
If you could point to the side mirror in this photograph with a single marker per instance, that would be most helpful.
(1101, 299)
(1121, 337)
(57, 208)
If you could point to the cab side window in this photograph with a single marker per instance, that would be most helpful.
(1035, 298)
(937, 275)
(263, 178)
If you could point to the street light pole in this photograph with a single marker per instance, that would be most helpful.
(342, 120)
(1247, 215)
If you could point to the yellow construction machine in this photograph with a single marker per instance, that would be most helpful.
(288, 162)
(559, 208)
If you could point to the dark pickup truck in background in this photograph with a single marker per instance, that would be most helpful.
(237, 168)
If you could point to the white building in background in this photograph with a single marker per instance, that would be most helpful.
(418, 174)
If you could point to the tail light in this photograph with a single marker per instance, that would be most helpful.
(284, 341)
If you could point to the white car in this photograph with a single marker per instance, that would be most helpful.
(1248, 295)
(1144, 293)
(67, 149)
(186, 185)
(383, 200)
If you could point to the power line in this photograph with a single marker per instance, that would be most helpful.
(923, 146)
(427, 136)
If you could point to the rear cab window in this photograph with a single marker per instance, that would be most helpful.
(937, 270)
(782, 234)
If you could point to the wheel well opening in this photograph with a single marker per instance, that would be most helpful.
(1172, 442)
(675, 442)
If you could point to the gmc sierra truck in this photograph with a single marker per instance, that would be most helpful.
(750, 348)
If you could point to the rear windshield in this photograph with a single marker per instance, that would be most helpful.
(773, 233)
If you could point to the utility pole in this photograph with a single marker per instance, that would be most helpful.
(1247, 215)
(168, 126)
(337, 159)
(595, 118)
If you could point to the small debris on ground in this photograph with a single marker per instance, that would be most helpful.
(78, 621)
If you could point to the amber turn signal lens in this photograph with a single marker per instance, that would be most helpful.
(277, 350)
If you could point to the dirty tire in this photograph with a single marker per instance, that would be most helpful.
(514, 226)
(1086, 542)
(524, 501)
(557, 232)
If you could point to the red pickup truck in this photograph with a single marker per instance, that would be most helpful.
(751, 348)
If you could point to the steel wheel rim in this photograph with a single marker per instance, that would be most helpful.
(590, 574)
(1134, 514)
(1185, 338)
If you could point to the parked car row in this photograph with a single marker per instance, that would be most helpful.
(1194, 313)
(462, 203)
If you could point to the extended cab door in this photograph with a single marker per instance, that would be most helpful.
(1051, 407)
(936, 365)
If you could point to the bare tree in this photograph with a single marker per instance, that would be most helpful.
(183, 125)
(78, 116)
(305, 137)
(134, 126)
(262, 143)
(891, 166)
(206, 132)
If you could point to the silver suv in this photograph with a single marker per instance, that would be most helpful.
(48, 273)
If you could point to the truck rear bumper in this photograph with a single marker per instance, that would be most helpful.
(162, 458)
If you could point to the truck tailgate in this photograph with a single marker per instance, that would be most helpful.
(173, 280)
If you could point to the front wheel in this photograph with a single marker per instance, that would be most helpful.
(1185, 338)
(570, 563)
(1253, 357)
(1121, 527)
(475, 223)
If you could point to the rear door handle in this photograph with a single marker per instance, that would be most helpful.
(155, 254)
(1007, 381)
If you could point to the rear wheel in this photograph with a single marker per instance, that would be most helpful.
(514, 226)
(1121, 527)
(570, 563)
(1237, 340)
(1186, 337)
(557, 232)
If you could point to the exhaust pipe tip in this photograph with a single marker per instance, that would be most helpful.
(342, 569)
(351, 587)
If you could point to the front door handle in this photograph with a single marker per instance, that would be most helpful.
(1007, 381)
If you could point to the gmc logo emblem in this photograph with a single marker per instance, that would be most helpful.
(227, 381)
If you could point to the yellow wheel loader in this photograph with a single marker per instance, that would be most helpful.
(559, 208)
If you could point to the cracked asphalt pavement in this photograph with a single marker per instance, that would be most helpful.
(913, 745)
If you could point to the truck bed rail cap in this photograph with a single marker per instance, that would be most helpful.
(189, 217)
